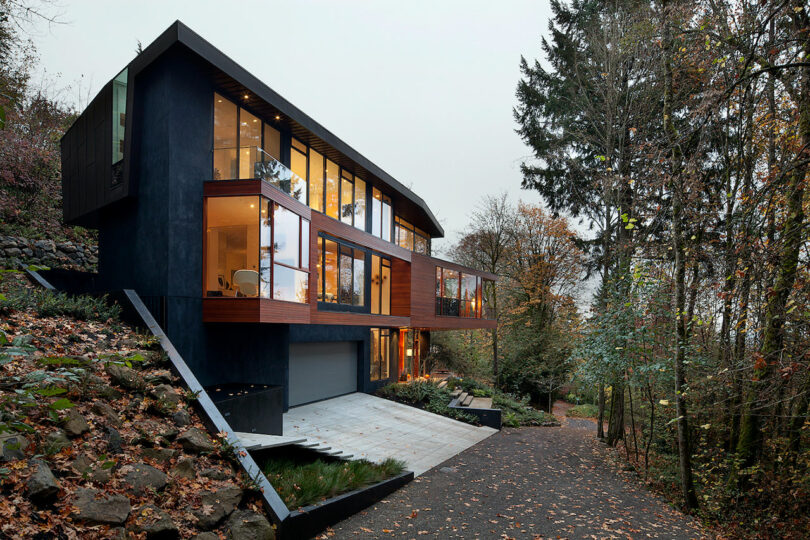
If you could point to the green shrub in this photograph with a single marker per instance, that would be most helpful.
(52, 304)
(518, 411)
(301, 485)
(586, 410)
(425, 395)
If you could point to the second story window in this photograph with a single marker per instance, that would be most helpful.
(255, 248)
(342, 273)
(381, 215)
(410, 237)
(459, 294)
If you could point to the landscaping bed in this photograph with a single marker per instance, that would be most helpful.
(301, 479)
(427, 395)
(584, 410)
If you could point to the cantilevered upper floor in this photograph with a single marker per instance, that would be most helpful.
(204, 183)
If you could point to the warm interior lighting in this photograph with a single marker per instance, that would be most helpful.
(409, 352)
(252, 205)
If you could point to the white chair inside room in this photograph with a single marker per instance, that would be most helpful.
(246, 282)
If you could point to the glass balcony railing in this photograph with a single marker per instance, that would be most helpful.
(253, 162)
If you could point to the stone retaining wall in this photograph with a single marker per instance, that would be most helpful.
(48, 253)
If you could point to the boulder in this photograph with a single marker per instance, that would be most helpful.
(115, 443)
(41, 486)
(217, 506)
(195, 441)
(55, 441)
(185, 469)
(74, 424)
(215, 474)
(154, 522)
(206, 536)
(142, 478)
(166, 395)
(163, 376)
(96, 506)
(82, 463)
(247, 525)
(160, 455)
(181, 418)
(106, 412)
(100, 475)
(125, 377)
(12, 446)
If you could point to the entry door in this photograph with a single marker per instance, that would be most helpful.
(321, 370)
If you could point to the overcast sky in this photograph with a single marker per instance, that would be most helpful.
(424, 89)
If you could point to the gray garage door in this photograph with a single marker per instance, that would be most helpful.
(322, 370)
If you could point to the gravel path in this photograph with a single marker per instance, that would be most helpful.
(524, 483)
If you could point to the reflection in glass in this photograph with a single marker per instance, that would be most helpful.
(289, 284)
(286, 239)
(304, 243)
(359, 204)
(232, 246)
(345, 275)
(376, 213)
(450, 290)
(272, 142)
(359, 278)
(346, 200)
(224, 139)
(265, 248)
(119, 115)
(387, 217)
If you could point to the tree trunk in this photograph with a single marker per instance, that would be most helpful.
(616, 421)
(600, 429)
(749, 447)
(677, 189)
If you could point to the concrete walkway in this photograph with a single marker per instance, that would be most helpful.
(373, 428)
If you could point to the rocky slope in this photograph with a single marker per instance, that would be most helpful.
(99, 440)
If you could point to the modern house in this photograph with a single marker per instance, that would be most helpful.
(269, 250)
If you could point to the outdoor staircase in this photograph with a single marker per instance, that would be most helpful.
(260, 441)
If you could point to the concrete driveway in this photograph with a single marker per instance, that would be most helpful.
(373, 428)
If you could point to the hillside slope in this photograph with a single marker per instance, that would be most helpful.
(98, 438)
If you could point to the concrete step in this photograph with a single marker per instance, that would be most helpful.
(467, 400)
(455, 393)
(443, 384)
(462, 397)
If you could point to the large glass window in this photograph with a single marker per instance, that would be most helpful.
(255, 248)
(225, 132)
(232, 241)
(332, 189)
(380, 285)
(246, 147)
(380, 353)
(359, 204)
(403, 233)
(376, 212)
(346, 198)
(119, 115)
(342, 273)
(459, 294)
(250, 144)
(421, 242)
(316, 171)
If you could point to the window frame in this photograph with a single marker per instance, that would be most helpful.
(320, 292)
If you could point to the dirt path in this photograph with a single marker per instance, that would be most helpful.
(524, 483)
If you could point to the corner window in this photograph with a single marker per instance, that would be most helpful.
(459, 294)
(255, 248)
(380, 353)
